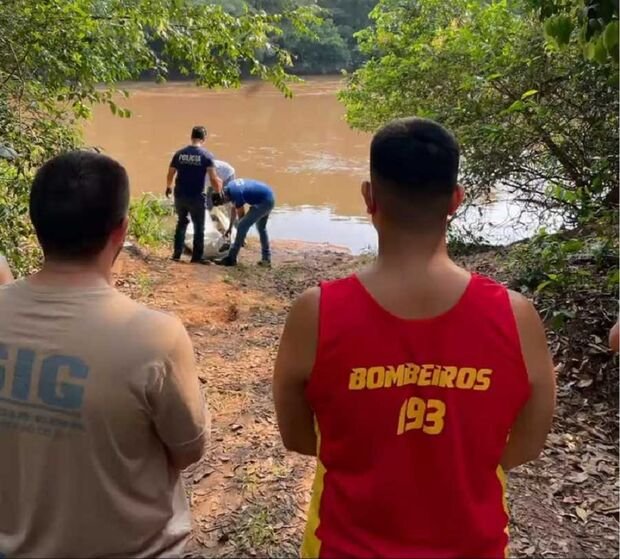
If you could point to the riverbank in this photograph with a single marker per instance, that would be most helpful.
(249, 496)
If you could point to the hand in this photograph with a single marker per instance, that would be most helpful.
(168, 192)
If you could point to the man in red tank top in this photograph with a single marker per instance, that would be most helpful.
(415, 383)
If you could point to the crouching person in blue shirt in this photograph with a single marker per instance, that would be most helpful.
(259, 197)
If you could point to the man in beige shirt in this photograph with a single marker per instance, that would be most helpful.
(100, 404)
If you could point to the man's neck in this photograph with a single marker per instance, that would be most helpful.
(73, 274)
(414, 278)
(411, 251)
(196, 143)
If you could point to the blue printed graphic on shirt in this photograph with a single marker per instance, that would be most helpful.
(41, 395)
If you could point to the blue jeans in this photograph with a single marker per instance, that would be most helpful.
(258, 214)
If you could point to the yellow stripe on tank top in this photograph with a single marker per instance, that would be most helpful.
(311, 546)
(501, 476)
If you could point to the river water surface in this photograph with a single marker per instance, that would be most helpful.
(302, 147)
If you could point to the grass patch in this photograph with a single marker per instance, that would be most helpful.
(259, 532)
(149, 220)
(144, 283)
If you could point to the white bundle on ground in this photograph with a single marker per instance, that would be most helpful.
(216, 224)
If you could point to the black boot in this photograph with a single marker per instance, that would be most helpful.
(204, 261)
(226, 261)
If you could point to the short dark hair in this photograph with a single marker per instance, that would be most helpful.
(76, 201)
(199, 133)
(414, 165)
(217, 199)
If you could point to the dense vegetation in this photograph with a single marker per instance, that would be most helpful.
(331, 47)
(58, 57)
(537, 119)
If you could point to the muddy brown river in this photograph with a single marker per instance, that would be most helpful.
(302, 147)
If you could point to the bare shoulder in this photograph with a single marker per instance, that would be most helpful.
(308, 302)
(532, 336)
(301, 332)
(524, 310)
(304, 313)
(527, 318)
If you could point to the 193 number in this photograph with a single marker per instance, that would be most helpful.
(416, 413)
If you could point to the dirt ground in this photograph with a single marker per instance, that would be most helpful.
(249, 496)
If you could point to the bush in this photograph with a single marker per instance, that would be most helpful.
(148, 220)
(565, 272)
(17, 240)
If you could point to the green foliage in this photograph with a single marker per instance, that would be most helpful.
(593, 23)
(542, 263)
(331, 46)
(557, 269)
(349, 17)
(324, 51)
(59, 57)
(16, 233)
(542, 124)
(149, 220)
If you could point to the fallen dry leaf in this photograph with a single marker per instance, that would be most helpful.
(581, 513)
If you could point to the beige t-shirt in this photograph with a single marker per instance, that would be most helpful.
(94, 390)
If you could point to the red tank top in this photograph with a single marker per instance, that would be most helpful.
(412, 417)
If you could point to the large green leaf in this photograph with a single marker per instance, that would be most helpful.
(610, 36)
(559, 28)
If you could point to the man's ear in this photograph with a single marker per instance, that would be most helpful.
(367, 194)
(120, 232)
(457, 199)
